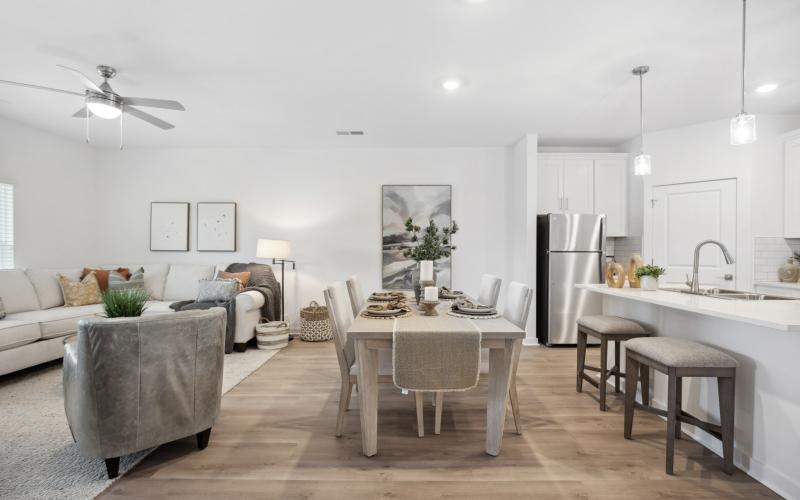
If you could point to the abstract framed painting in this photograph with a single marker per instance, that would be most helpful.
(216, 227)
(169, 226)
(421, 202)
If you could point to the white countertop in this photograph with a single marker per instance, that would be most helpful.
(777, 314)
(778, 284)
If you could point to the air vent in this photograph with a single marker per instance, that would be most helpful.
(349, 132)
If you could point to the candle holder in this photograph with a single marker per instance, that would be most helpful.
(419, 287)
(429, 307)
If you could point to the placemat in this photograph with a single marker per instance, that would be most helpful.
(474, 316)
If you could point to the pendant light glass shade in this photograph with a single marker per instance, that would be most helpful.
(743, 125)
(641, 165)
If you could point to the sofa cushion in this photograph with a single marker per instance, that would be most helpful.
(17, 291)
(80, 293)
(183, 280)
(119, 281)
(102, 274)
(14, 333)
(48, 289)
(155, 276)
(158, 306)
(58, 321)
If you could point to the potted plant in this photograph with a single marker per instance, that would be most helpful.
(125, 302)
(648, 276)
(432, 245)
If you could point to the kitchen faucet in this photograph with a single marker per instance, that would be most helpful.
(695, 283)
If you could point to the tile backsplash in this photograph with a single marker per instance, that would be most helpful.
(623, 248)
(770, 253)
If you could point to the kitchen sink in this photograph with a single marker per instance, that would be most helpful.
(723, 293)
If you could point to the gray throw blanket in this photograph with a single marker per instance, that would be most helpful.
(262, 280)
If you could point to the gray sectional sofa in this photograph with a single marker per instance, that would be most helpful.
(37, 321)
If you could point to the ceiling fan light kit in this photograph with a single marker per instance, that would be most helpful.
(743, 125)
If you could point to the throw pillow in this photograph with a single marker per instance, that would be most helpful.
(118, 280)
(243, 277)
(102, 275)
(80, 293)
(2, 309)
(217, 290)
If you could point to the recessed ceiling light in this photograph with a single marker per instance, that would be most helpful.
(766, 88)
(452, 84)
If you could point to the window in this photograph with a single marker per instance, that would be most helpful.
(6, 226)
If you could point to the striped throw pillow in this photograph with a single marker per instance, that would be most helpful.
(117, 281)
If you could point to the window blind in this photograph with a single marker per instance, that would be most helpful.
(6, 226)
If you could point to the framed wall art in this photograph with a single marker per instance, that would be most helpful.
(216, 227)
(169, 226)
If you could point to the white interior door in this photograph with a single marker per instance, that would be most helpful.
(686, 214)
(578, 181)
(550, 186)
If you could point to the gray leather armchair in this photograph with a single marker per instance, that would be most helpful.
(134, 383)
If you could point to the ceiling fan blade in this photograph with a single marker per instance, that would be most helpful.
(158, 122)
(153, 103)
(81, 113)
(90, 85)
(40, 87)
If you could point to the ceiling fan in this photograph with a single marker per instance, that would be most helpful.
(101, 100)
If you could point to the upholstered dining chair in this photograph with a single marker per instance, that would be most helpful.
(341, 316)
(490, 290)
(356, 292)
(517, 310)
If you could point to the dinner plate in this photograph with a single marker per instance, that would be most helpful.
(476, 311)
(383, 312)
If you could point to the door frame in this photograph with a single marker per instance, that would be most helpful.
(647, 223)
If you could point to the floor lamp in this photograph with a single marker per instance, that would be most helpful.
(278, 251)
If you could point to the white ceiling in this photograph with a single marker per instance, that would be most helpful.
(291, 72)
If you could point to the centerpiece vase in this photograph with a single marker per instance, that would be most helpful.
(419, 285)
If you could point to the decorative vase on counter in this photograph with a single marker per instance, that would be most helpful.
(789, 272)
(634, 262)
(648, 283)
(615, 275)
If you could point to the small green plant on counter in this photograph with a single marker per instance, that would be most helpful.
(124, 303)
(652, 271)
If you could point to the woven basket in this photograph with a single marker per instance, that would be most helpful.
(272, 335)
(314, 325)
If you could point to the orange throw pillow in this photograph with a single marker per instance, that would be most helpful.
(243, 277)
(102, 275)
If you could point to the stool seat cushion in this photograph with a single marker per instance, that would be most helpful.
(612, 324)
(680, 353)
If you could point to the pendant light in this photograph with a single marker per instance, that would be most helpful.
(743, 125)
(641, 164)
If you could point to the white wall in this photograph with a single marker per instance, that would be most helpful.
(55, 196)
(327, 202)
(703, 152)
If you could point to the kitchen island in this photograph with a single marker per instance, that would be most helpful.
(764, 336)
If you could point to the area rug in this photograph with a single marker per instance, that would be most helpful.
(39, 460)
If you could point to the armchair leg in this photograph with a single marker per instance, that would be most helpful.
(112, 467)
(202, 438)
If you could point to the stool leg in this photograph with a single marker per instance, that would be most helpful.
(671, 420)
(617, 365)
(645, 376)
(678, 405)
(727, 392)
(631, 378)
(581, 360)
(603, 372)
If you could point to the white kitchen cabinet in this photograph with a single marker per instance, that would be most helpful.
(585, 183)
(610, 193)
(791, 185)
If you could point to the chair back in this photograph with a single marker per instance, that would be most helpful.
(341, 317)
(356, 292)
(518, 304)
(490, 290)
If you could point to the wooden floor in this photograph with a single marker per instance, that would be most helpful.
(275, 440)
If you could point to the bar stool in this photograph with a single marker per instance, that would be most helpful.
(678, 358)
(604, 328)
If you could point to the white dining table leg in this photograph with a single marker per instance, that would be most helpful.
(368, 396)
(500, 369)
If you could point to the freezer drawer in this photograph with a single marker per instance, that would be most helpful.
(565, 302)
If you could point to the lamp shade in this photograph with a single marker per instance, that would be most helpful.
(273, 249)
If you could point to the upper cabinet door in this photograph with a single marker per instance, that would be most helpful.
(549, 191)
(610, 194)
(578, 186)
(791, 199)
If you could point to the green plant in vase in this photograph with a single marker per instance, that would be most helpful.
(124, 303)
(431, 243)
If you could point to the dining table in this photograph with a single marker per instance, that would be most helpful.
(502, 338)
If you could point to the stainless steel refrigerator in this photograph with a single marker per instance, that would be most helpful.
(570, 249)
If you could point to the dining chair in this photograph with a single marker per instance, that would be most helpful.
(490, 290)
(517, 310)
(341, 317)
(356, 292)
